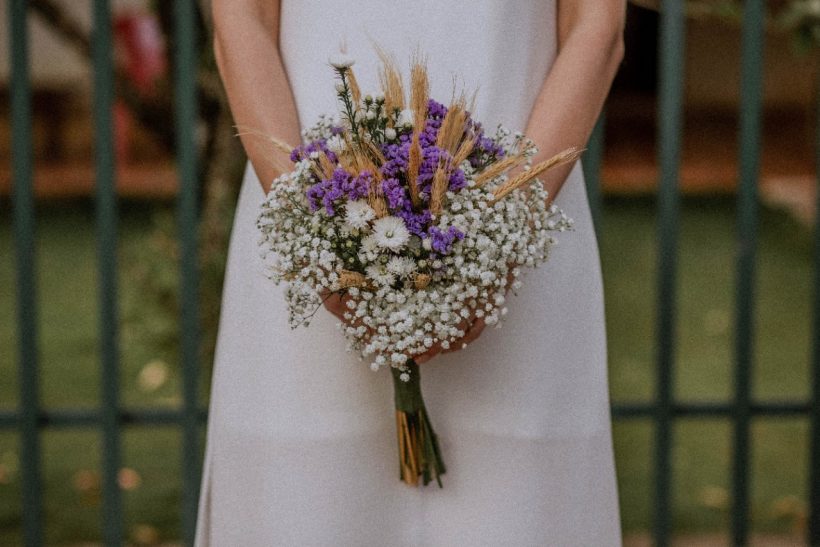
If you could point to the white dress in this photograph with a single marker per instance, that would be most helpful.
(301, 441)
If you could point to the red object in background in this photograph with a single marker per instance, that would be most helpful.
(140, 53)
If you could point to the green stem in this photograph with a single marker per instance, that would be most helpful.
(410, 403)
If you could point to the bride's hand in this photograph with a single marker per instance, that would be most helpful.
(336, 303)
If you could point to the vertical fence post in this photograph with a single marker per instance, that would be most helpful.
(592, 160)
(23, 196)
(814, 412)
(185, 63)
(670, 113)
(750, 127)
(106, 213)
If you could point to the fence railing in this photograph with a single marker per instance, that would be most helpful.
(30, 419)
(110, 418)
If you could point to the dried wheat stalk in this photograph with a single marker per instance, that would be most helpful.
(568, 155)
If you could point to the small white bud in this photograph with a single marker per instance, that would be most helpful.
(406, 117)
(341, 61)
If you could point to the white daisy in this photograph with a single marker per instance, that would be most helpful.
(405, 117)
(369, 245)
(390, 233)
(402, 266)
(380, 274)
(358, 214)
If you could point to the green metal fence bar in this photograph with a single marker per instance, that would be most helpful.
(750, 127)
(82, 417)
(592, 160)
(106, 211)
(185, 63)
(772, 409)
(814, 414)
(670, 105)
(23, 196)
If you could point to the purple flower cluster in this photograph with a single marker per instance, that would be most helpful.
(341, 185)
(442, 240)
(304, 150)
(486, 150)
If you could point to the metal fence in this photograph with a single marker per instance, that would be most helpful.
(29, 419)
(110, 417)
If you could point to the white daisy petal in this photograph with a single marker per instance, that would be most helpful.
(402, 266)
(390, 233)
(358, 214)
(380, 274)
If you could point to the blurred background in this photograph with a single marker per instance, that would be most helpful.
(707, 246)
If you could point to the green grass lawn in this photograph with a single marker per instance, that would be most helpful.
(67, 317)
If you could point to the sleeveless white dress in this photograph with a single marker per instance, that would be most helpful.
(301, 443)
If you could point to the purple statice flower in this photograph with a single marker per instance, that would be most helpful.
(304, 150)
(457, 180)
(395, 193)
(486, 149)
(396, 158)
(341, 185)
(416, 222)
(430, 158)
(441, 241)
(436, 110)
(358, 186)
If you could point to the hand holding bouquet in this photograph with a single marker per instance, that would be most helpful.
(406, 208)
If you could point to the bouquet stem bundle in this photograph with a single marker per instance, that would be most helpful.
(419, 454)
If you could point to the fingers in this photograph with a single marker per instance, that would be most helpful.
(335, 304)
(427, 355)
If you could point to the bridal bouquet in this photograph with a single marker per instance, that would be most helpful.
(405, 206)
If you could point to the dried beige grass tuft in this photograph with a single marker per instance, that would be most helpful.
(374, 152)
(452, 127)
(326, 166)
(349, 278)
(275, 162)
(419, 90)
(438, 189)
(464, 150)
(413, 164)
(499, 167)
(278, 144)
(355, 92)
(391, 82)
(568, 155)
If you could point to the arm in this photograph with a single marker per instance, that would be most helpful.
(590, 48)
(246, 45)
